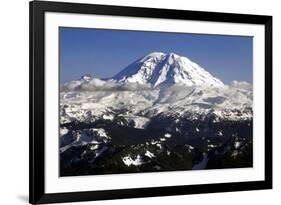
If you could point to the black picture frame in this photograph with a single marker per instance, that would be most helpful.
(37, 194)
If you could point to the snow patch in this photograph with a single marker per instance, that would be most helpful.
(168, 135)
(129, 161)
(63, 131)
(140, 122)
(149, 154)
(108, 117)
(237, 144)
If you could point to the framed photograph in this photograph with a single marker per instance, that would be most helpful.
(141, 102)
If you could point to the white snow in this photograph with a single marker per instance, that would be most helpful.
(108, 117)
(94, 147)
(237, 144)
(63, 131)
(168, 135)
(101, 132)
(212, 145)
(220, 133)
(174, 69)
(139, 121)
(129, 161)
(158, 83)
(153, 142)
(149, 154)
(189, 147)
(85, 138)
(88, 137)
(159, 145)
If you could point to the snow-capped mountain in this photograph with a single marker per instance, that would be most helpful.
(139, 92)
(159, 69)
(161, 113)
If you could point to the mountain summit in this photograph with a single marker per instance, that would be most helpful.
(160, 69)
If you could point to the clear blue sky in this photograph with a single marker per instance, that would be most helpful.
(103, 53)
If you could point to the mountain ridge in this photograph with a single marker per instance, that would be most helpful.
(148, 96)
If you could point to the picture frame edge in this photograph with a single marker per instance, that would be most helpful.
(37, 193)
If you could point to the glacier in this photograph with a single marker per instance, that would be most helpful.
(158, 69)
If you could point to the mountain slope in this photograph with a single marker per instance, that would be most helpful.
(158, 83)
(226, 102)
(161, 113)
(158, 69)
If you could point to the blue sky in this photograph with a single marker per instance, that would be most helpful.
(103, 53)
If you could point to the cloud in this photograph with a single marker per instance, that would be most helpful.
(95, 84)
(102, 85)
(241, 84)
